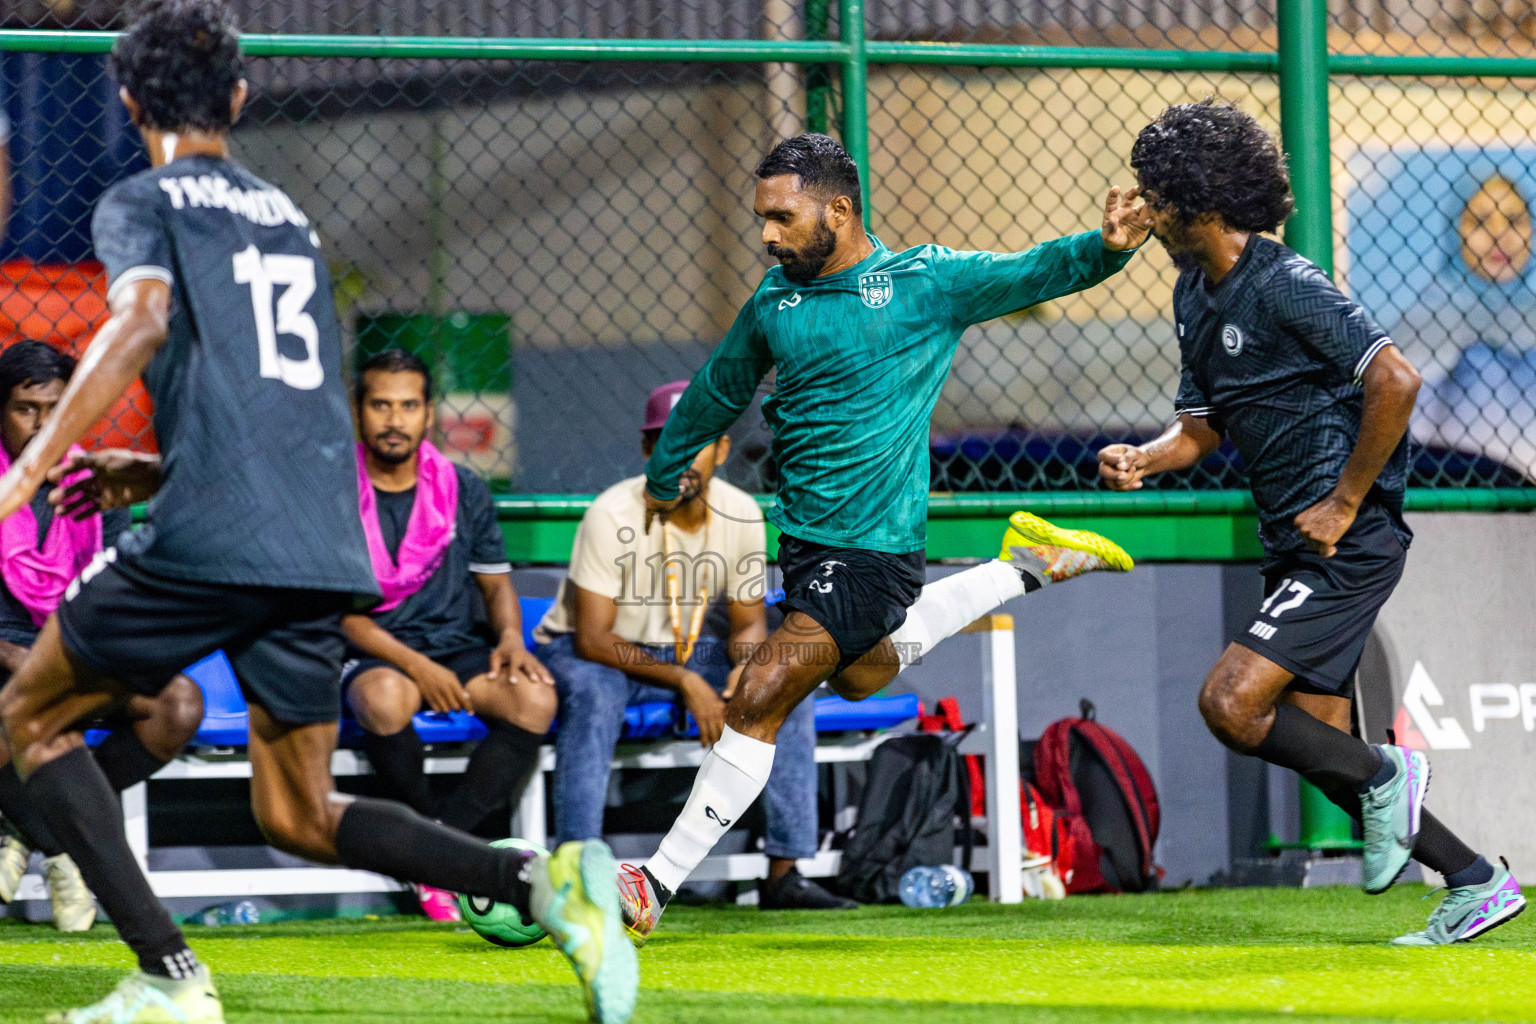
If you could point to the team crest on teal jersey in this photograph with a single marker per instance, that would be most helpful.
(875, 289)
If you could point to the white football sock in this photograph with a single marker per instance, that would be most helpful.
(734, 772)
(947, 606)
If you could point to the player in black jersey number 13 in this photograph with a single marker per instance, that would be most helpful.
(254, 545)
(1316, 398)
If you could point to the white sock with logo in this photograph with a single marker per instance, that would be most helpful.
(947, 606)
(731, 777)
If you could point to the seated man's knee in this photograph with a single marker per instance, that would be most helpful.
(540, 702)
(383, 700)
(526, 704)
(21, 726)
(7, 710)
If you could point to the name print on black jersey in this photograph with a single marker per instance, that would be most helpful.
(260, 484)
(268, 207)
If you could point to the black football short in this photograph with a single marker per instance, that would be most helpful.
(859, 597)
(465, 664)
(142, 629)
(1318, 612)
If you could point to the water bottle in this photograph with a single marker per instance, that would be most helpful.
(241, 912)
(942, 886)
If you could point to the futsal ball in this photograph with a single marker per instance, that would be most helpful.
(500, 923)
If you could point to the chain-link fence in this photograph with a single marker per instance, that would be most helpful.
(559, 236)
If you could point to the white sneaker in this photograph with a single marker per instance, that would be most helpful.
(150, 999)
(74, 908)
(13, 864)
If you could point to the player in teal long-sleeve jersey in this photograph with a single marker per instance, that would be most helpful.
(862, 339)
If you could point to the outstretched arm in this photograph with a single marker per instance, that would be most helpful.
(1190, 439)
(118, 355)
(984, 285)
(715, 398)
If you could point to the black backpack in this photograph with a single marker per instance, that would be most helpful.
(917, 788)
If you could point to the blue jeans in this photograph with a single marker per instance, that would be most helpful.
(592, 702)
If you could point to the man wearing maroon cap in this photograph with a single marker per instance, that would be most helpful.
(628, 628)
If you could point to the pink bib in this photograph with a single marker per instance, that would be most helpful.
(38, 575)
(427, 534)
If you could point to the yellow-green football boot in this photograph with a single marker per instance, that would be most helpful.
(150, 999)
(1047, 553)
(575, 897)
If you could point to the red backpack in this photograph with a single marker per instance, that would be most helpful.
(1092, 808)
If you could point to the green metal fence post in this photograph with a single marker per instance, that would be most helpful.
(856, 92)
(1304, 126)
(818, 83)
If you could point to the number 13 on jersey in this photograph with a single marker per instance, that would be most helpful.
(263, 272)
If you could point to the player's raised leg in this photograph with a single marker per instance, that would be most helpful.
(1034, 553)
(855, 620)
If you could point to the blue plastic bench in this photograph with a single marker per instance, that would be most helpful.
(654, 719)
(225, 718)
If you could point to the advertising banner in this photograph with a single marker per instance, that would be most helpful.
(1457, 648)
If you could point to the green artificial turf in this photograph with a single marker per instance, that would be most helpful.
(1214, 957)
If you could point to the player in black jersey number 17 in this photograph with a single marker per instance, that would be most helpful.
(254, 544)
(1316, 398)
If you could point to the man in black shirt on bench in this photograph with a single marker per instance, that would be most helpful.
(434, 541)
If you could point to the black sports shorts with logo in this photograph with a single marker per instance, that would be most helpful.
(465, 663)
(1318, 612)
(140, 628)
(859, 597)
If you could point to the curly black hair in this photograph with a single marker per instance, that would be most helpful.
(824, 167)
(1212, 157)
(180, 62)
